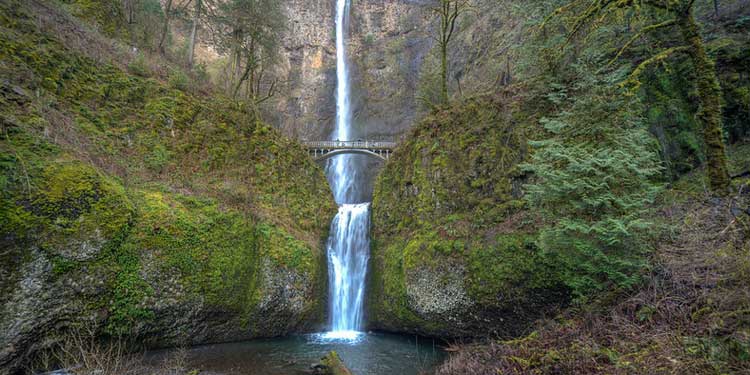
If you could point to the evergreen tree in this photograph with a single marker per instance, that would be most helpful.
(594, 184)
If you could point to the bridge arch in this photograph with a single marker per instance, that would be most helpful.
(333, 153)
(323, 150)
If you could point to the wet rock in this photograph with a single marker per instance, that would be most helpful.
(331, 364)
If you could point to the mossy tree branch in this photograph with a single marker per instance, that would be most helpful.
(638, 71)
(709, 91)
(639, 34)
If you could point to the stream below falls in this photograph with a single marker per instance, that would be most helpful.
(373, 354)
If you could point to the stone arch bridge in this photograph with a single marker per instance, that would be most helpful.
(322, 150)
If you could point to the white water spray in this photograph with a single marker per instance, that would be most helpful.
(349, 243)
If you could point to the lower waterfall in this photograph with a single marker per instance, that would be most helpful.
(348, 247)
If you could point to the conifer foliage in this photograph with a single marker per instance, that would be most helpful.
(594, 184)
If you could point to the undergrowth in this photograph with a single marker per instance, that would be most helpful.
(690, 316)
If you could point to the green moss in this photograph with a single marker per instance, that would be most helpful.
(513, 260)
(128, 293)
(387, 298)
(109, 15)
(214, 250)
(448, 201)
(334, 365)
(119, 175)
(75, 205)
(62, 265)
(284, 249)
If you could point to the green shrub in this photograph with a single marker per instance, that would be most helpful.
(158, 158)
(139, 66)
(200, 71)
(179, 80)
(369, 39)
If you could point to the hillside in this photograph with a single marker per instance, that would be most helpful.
(563, 222)
(688, 317)
(138, 207)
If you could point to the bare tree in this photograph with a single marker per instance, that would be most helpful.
(165, 26)
(248, 30)
(448, 12)
(194, 31)
(131, 7)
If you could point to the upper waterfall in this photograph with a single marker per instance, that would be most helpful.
(343, 110)
(342, 173)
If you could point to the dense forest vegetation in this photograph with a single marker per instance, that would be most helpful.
(573, 198)
(618, 203)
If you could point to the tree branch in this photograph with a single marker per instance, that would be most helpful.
(633, 77)
(638, 35)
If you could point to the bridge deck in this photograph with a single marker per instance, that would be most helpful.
(349, 145)
(321, 150)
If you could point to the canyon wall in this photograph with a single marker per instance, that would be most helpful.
(387, 46)
(393, 63)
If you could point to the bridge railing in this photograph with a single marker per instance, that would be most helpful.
(350, 145)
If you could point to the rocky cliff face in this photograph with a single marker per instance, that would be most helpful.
(388, 48)
(392, 62)
(157, 268)
(387, 45)
(306, 107)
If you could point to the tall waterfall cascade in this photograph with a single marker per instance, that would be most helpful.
(349, 243)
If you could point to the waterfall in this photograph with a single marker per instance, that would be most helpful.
(343, 112)
(348, 244)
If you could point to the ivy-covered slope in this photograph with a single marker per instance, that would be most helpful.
(453, 250)
(133, 208)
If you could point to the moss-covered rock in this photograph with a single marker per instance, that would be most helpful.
(332, 364)
(453, 250)
(137, 210)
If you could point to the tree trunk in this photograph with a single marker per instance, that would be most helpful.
(193, 32)
(709, 100)
(165, 27)
(444, 73)
(130, 10)
(716, 8)
(237, 35)
(249, 68)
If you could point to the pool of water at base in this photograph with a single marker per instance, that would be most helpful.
(373, 354)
